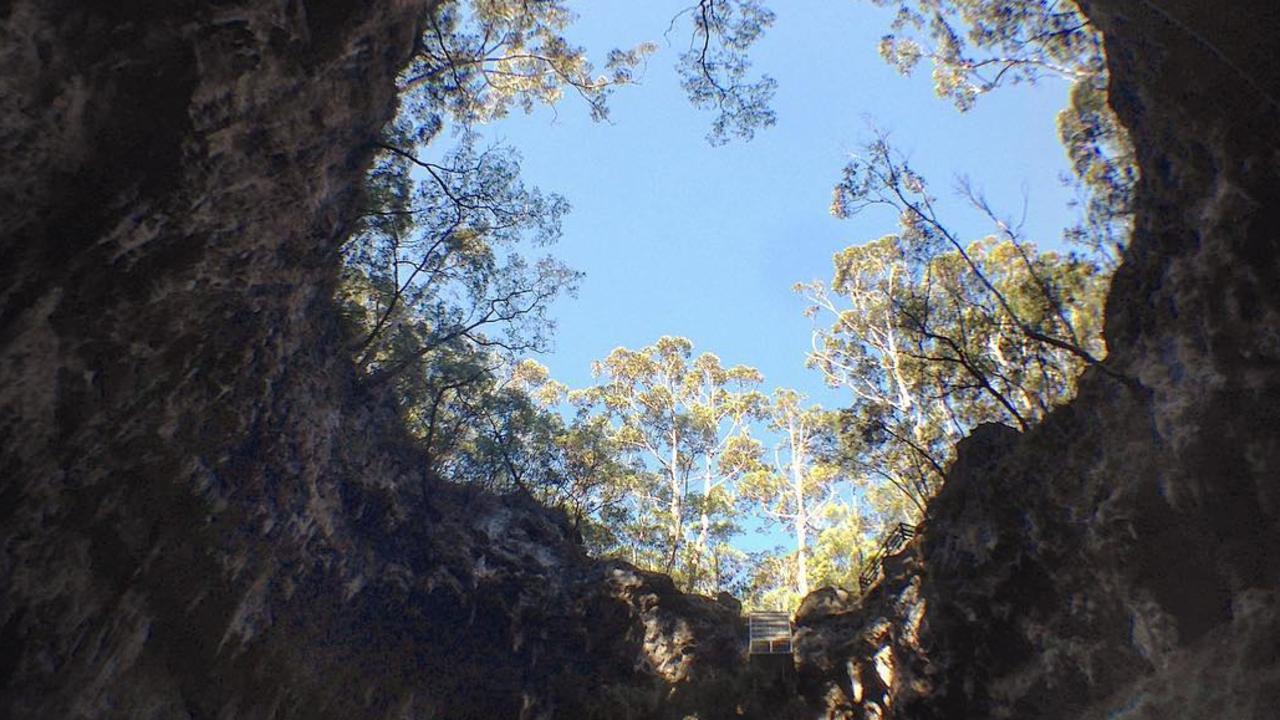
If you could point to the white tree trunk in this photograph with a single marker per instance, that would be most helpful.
(677, 503)
(797, 440)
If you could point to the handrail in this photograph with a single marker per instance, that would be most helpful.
(892, 543)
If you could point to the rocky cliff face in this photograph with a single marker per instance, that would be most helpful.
(203, 514)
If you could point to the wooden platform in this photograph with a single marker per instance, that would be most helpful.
(769, 633)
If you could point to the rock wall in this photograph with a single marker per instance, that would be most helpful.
(203, 514)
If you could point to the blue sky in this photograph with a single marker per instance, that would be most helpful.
(677, 237)
(680, 238)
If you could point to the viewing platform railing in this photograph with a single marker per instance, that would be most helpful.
(893, 542)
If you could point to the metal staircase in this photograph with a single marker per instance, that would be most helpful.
(893, 542)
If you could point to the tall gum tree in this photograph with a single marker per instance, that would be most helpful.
(687, 419)
(796, 487)
(727, 401)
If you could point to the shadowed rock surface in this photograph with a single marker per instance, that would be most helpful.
(204, 514)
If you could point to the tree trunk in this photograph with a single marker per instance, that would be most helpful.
(676, 505)
(802, 515)
(704, 526)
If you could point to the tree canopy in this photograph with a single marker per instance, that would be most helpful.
(671, 454)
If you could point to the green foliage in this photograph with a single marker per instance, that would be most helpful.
(932, 336)
(794, 490)
(686, 421)
(714, 69)
(570, 463)
(441, 297)
(845, 536)
(1103, 162)
(848, 538)
(976, 46)
(474, 61)
(439, 284)
(440, 253)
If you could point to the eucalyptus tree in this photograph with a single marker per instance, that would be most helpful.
(714, 68)
(933, 336)
(726, 402)
(977, 46)
(850, 531)
(866, 351)
(474, 61)
(522, 441)
(932, 333)
(687, 419)
(442, 282)
(795, 487)
(446, 280)
(445, 235)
